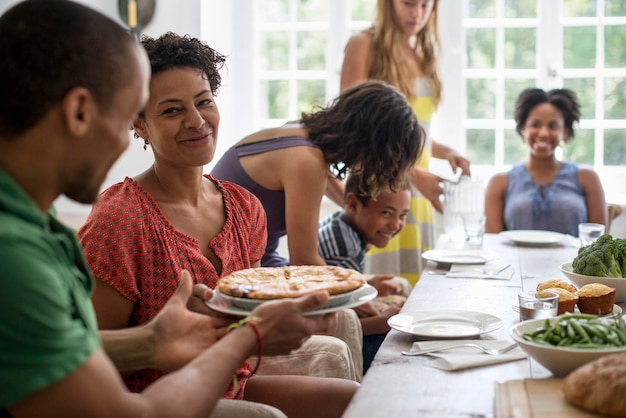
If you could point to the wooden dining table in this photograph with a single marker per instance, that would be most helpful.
(400, 386)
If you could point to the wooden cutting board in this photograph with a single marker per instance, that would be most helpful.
(535, 398)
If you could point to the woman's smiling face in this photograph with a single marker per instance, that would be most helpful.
(544, 129)
(181, 119)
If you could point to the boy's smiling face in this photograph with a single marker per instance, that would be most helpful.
(382, 217)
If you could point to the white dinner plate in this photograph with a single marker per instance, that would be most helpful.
(460, 256)
(531, 237)
(363, 295)
(445, 324)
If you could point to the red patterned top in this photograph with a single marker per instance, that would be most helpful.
(130, 245)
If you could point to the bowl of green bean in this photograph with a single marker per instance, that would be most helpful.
(564, 343)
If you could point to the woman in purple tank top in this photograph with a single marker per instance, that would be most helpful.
(545, 193)
(370, 129)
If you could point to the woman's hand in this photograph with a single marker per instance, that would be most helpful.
(429, 185)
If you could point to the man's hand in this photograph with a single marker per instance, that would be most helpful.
(180, 334)
(282, 326)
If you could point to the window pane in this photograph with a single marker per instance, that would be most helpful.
(363, 9)
(312, 11)
(615, 147)
(515, 151)
(311, 95)
(274, 10)
(481, 8)
(274, 99)
(311, 50)
(481, 146)
(581, 149)
(512, 89)
(615, 98)
(585, 89)
(579, 47)
(520, 9)
(481, 48)
(579, 8)
(519, 48)
(274, 51)
(615, 46)
(614, 8)
(481, 99)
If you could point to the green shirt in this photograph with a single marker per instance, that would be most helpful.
(47, 324)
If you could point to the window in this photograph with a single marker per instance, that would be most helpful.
(492, 49)
(298, 52)
(511, 45)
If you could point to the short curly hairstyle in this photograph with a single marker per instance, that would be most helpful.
(369, 129)
(353, 181)
(563, 99)
(49, 47)
(171, 50)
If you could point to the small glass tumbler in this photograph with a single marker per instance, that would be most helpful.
(589, 233)
(537, 304)
(474, 226)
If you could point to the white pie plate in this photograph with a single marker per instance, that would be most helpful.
(537, 238)
(445, 324)
(358, 297)
(250, 304)
(460, 256)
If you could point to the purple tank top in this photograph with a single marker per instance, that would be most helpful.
(229, 168)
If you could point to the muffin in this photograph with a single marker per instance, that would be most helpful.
(562, 284)
(596, 298)
(567, 299)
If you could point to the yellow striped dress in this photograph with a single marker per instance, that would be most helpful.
(403, 255)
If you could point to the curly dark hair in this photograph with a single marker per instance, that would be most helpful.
(353, 183)
(171, 50)
(370, 130)
(49, 47)
(563, 99)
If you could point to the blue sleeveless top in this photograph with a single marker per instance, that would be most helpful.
(558, 206)
(229, 168)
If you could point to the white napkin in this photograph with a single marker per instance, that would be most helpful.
(467, 357)
(471, 271)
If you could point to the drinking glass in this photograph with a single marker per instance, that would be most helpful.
(589, 233)
(474, 226)
(537, 304)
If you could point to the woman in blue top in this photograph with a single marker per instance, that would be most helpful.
(545, 193)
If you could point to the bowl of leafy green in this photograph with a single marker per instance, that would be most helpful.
(604, 261)
(566, 342)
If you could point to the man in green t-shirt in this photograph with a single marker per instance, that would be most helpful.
(71, 83)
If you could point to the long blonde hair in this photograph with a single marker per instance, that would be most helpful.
(388, 61)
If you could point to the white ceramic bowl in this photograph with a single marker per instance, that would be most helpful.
(559, 360)
(619, 283)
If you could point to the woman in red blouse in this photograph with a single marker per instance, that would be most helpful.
(145, 230)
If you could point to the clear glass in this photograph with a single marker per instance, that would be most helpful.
(537, 304)
(589, 233)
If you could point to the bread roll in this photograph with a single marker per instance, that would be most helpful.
(599, 386)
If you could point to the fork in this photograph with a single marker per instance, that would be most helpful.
(487, 272)
(490, 351)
